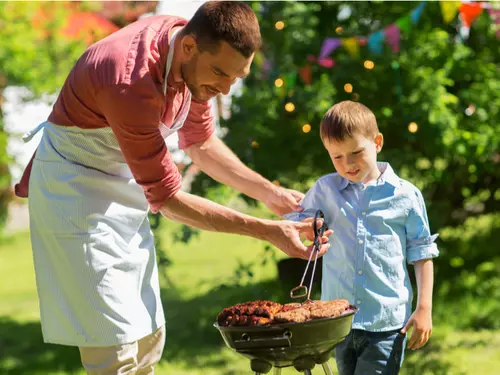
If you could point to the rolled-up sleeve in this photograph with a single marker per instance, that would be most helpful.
(419, 241)
(133, 114)
(310, 204)
(199, 124)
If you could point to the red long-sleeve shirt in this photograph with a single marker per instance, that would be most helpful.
(117, 82)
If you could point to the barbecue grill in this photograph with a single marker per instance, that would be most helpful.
(302, 345)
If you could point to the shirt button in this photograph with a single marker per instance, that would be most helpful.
(358, 302)
(360, 272)
(360, 242)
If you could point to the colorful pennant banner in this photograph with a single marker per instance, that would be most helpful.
(375, 41)
(391, 35)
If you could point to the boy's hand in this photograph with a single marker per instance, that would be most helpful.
(421, 321)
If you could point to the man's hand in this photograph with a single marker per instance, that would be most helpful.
(309, 235)
(282, 201)
(421, 321)
(285, 235)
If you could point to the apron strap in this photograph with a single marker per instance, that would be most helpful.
(29, 135)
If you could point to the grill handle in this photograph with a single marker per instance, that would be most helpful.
(246, 342)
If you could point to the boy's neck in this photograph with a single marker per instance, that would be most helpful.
(372, 177)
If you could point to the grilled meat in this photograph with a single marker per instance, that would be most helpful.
(295, 315)
(291, 306)
(257, 313)
(327, 309)
(249, 313)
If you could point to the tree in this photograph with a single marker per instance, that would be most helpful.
(433, 81)
(436, 100)
(40, 43)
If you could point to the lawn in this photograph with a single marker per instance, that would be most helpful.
(204, 281)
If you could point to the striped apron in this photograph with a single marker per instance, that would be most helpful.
(93, 248)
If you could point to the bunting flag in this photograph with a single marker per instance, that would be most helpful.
(469, 12)
(404, 23)
(376, 42)
(351, 45)
(390, 34)
(326, 62)
(329, 45)
(306, 74)
(449, 9)
(495, 17)
(416, 13)
(266, 68)
(290, 80)
(393, 35)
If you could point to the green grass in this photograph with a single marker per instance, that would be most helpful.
(203, 277)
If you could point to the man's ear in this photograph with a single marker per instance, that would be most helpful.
(189, 45)
(379, 142)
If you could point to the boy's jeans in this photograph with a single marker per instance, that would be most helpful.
(366, 353)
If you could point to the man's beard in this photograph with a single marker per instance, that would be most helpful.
(187, 70)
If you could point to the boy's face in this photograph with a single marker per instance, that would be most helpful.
(355, 158)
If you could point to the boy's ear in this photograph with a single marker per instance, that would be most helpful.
(379, 142)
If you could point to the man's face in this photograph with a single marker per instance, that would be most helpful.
(208, 74)
(355, 158)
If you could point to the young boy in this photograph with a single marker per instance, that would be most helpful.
(380, 224)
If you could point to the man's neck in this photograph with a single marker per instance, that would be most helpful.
(177, 58)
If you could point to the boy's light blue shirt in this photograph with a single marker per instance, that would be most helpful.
(377, 230)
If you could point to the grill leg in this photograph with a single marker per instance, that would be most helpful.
(327, 368)
(307, 372)
(277, 371)
(260, 367)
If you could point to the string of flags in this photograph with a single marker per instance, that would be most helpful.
(467, 12)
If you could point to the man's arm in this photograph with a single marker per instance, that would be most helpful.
(219, 162)
(204, 214)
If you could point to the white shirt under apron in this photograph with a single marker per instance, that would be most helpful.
(93, 248)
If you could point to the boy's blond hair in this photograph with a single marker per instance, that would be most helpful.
(347, 118)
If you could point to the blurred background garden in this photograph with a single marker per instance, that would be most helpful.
(430, 71)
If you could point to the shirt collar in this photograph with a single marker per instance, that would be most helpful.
(387, 175)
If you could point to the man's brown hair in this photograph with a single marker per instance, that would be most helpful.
(232, 22)
(347, 118)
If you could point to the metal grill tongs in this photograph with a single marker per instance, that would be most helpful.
(318, 233)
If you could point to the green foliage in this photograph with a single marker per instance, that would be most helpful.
(449, 88)
(468, 272)
(34, 53)
(4, 173)
(453, 157)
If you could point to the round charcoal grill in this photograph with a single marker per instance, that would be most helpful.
(301, 345)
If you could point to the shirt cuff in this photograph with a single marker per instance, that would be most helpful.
(299, 216)
(422, 248)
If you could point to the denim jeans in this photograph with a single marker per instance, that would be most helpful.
(367, 353)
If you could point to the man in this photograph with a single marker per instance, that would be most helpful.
(102, 164)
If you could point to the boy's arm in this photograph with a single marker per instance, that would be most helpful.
(424, 274)
(308, 205)
(421, 319)
(420, 249)
(419, 241)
